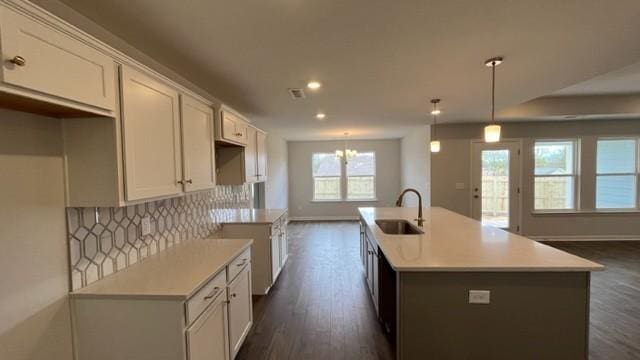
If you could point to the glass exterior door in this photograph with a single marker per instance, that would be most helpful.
(495, 184)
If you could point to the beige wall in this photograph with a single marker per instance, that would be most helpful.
(277, 185)
(34, 312)
(301, 184)
(452, 165)
(415, 158)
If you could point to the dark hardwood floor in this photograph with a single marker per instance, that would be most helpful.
(319, 307)
(615, 298)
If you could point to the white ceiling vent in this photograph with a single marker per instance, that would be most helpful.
(296, 93)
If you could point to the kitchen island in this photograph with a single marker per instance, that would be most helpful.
(455, 289)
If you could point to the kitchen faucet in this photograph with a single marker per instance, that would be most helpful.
(420, 219)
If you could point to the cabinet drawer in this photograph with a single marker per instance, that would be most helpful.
(205, 296)
(238, 264)
(47, 61)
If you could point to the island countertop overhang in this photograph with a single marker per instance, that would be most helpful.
(455, 243)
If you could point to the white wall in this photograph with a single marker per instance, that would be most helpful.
(301, 182)
(277, 184)
(34, 311)
(415, 160)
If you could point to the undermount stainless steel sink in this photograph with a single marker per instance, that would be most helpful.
(398, 227)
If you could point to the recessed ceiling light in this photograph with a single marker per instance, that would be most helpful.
(320, 116)
(314, 85)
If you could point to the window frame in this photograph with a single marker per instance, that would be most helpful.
(636, 202)
(575, 175)
(313, 180)
(375, 177)
(344, 180)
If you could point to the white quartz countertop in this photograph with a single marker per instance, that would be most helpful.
(452, 242)
(252, 216)
(178, 271)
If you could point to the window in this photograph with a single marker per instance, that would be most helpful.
(329, 182)
(555, 175)
(616, 173)
(327, 174)
(361, 177)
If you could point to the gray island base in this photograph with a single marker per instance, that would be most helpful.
(423, 287)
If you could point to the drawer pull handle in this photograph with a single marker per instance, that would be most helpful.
(18, 60)
(213, 293)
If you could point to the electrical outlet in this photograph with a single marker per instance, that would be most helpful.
(145, 223)
(479, 296)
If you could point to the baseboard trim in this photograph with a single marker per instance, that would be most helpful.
(552, 238)
(323, 218)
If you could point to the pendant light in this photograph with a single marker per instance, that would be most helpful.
(492, 131)
(435, 144)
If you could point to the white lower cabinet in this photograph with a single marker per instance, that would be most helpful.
(240, 310)
(207, 338)
(211, 324)
(269, 252)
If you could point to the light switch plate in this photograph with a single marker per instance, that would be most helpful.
(145, 223)
(479, 296)
(459, 186)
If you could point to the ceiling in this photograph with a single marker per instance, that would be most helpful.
(380, 61)
(621, 81)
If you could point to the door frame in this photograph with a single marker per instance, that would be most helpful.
(519, 143)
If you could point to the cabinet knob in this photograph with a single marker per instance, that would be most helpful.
(18, 60)
(180, 182)
(233, 295)
(190, 181)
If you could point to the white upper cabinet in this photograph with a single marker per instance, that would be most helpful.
(250, 156)
(48, 65)
(198, 145)
(151, 133)
(231, 127)
(261, 155)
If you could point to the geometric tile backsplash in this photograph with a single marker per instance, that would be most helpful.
(105, 240)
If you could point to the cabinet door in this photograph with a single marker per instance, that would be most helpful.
(261, 142)
(197, 144)
(250, 155)
(240, 310)
(375, 285)
(47, 61)
(229, 126)
(151, 131)
(242, 131)
(275, 253)
(369, 267)
(208, 338)
(284, 253)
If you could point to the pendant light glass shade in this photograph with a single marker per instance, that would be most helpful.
(492, 133)
(435, 144)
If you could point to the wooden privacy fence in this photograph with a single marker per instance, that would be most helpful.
(550, 193)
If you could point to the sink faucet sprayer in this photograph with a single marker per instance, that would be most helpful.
(420, 219)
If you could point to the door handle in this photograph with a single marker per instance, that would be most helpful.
(475, 196)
